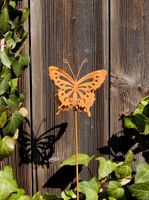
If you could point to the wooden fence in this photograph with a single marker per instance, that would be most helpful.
(111, 34)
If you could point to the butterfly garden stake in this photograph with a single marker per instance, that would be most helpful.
(76, 94)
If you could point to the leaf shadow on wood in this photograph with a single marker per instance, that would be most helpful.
(128, 139)
(39, 149)
(63, 177)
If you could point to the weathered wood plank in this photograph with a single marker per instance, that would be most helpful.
(129, 53)
(73, 30)
(23, 172)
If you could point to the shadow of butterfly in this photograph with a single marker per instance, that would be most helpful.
(39, 149)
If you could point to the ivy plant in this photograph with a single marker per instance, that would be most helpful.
(12, 64)
(116, 180)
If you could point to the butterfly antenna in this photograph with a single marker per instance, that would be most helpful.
(84, 61)
(66, 62)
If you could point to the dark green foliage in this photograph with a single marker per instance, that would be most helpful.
(115, 181)
(12, 64)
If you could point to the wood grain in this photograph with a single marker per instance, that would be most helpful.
(22, 173)
(110, 34)
(73, 30)
(129, 52)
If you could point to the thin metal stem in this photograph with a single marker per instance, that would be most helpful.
(76, 148)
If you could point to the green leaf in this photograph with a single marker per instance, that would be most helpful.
(12, 3)
(6, 58)
(19, 195)
(111, 198)
(66, 195)
(7, 145)
(50, 197)
(3, 119)
(106, 167)
(129, 158)
(115, 189)
(13, 84)
(37, 196)
(124, 170)
(139, 119)
(2, 104)
(141, 108)
(4, 21)
(4, 86)
(83, 159)
(7, 183)
(19, 65)
(25, 14)
(90, 189)
(14, 102)
(140, 191)
(10, 43)
(14, 123)
(6, 73)
(142, 174)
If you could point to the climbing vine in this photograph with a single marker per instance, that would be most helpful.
(115, 179)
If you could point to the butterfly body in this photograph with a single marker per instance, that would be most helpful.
(74, 93)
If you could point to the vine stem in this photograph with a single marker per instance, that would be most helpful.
(76, 149)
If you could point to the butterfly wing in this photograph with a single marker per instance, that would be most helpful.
(86, 87)
(65, 84)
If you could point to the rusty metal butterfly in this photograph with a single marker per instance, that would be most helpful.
(74, 93)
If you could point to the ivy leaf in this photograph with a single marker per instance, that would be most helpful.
(142, 174)
(2, 104)
(142, 108)
(140, 190)
(50, 197)
(111, 198)
(90, 189)
(138, 122)
(12, 3)
(139, 119)
(4, 86)
(3, 119)
(19, 195)
(7, 145)
(14, 102)
(6, 58)
(83, 159)
(19, 65)
(25, 14)
(13, 84)
(115, 189)
(4, 21)
(10, 43)
(124, 170)
(66, 195)
(7, 183)
(129, 158)
(37, 196)
(6, 73)
(106, 167)
(14, 123)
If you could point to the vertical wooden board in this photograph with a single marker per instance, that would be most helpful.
(74, 30)
(23, 171)
(37, 81)
(129, 53)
